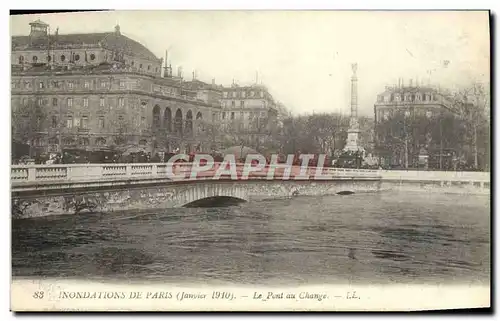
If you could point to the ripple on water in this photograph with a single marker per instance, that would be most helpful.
(357, 238)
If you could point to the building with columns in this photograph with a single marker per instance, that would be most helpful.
(103, 90)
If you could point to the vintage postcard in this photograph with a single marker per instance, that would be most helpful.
(250, 161)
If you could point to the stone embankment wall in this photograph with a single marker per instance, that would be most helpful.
(436, 182)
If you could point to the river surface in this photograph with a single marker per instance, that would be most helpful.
(361, 238)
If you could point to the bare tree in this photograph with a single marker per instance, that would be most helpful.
(123, 131)
(403, 135)
(28, 122)
(318, 133)
(210, 132)
(473, 106)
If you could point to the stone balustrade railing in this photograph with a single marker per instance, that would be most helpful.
(182, 171)
(85, 172)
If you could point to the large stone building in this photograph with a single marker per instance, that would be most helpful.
(412, 100)
(103, 90)
(249, 114)
(400, 140)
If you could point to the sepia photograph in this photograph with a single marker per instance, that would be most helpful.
(232, 160)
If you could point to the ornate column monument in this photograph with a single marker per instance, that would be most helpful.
(352, 144)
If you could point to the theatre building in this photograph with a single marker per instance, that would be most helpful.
(101, 91)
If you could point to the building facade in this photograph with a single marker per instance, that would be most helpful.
(249, 115)
(408, 128)
(100, 91)
(410, 100)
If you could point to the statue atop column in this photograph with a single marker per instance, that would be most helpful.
(353, 132)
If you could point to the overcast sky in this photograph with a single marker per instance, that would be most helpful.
(303, 57)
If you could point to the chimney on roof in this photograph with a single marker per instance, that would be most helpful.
(166, 72)
(117, 29)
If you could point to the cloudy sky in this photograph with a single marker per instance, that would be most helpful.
(303, 57)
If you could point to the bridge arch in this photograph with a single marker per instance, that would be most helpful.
(200, 193)
(216, 201)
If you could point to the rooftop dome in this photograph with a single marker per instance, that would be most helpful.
(109, 40)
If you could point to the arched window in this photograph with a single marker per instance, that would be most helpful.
(99, 141)
(119, 140)
(63, 57)
(156, 116)
(167, 120)
(92, 56)
(21, 60)
(68, 141)
(77, 57)
(178, 122)
(199, 123)
(35, 59)
(189, 123)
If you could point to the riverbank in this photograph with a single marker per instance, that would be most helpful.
(436, 182)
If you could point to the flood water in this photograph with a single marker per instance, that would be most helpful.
(360, 238)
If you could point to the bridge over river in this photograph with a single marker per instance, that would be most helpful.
(41, 190)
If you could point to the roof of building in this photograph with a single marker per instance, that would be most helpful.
(236, 87)
(38, 22)
(196, 84)
(408, 89)
(105, 67)
(108, 40)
